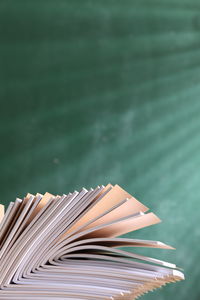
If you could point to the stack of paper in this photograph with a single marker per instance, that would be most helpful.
(67, 247)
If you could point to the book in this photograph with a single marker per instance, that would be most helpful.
(69, 247)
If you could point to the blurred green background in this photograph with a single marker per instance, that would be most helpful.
(93, 92)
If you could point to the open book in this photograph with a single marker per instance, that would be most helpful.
(67, 247)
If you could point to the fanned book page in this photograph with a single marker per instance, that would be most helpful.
(67, 247)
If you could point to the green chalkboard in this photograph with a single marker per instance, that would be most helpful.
(94, 92)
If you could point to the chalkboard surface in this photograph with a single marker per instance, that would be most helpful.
(107, 91)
